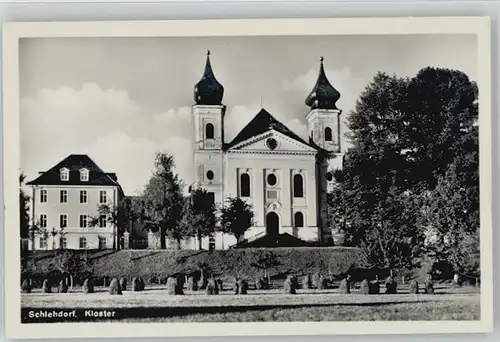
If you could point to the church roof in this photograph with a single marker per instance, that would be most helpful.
(208, 91)
(261, 123)
(323, 95)
(74, 163)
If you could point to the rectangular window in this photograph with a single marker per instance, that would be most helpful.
(65, 175)
(102, 242)
(102, 197)
(102, 221)
(84, 176)
(83, 221)
(43, 196)
(63, 221)
(63, 243)
(42, 242)
(43, 221)
(83, 196)
(63, 196)
(82, 243)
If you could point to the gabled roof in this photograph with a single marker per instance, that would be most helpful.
(262, 123)
(74, 163)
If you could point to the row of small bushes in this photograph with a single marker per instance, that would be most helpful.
(212, 286)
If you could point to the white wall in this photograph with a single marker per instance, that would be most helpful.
(73, 209)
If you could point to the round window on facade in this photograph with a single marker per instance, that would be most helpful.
(329, 176)
(210, 175)
(271, 143)
(271, 179)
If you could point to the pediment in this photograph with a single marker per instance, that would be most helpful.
(273, 142)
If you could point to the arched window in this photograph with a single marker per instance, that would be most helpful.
(245, 185)
(298, 186)
(209, 131)
(299, 219)
(328, 134)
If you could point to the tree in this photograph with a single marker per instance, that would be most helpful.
(71, 264)
(452, 214)
(24, 208)
(236, 217)
(265, 260)
(198, 215)
(404, 134)
(119, 216)
(162, 200)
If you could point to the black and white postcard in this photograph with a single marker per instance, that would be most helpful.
(247, 177)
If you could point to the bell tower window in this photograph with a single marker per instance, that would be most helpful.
(209, 131)
(328, 134)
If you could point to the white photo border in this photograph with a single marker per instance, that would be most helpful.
(13, 31)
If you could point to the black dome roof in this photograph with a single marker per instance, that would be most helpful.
(323, 95)
(208, 91)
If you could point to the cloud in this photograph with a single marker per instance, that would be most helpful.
(131, 159)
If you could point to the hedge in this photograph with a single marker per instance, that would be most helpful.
(148, 264)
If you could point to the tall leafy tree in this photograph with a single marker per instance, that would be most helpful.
(404, 135)
(452, 215)
(236, 217)
(198, 215)
(163, 201)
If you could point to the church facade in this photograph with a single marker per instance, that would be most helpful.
(284, 177)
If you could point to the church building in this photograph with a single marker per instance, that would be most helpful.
(284, 177)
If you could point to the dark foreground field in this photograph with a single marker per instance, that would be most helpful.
(154, 305)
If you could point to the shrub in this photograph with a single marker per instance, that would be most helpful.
(114, 287)
(240, 286)
(203, 282)
(374, 287)
(414, 287)
(290, 286)
(26, 286)
(46, 288)
(142, 284)
(88, 286)
(306, 282)
(429, 286)
(63, 287)
(390, 286)
(212, 287)
(192, 284)
(321, 283)
(261, 283)
(123, 284)
(345, 286)
(365, 287)
(220, 283)
(136, 284)
(174, 286)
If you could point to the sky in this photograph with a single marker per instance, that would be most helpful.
(120, 100)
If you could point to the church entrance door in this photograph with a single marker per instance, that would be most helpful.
(272, 225)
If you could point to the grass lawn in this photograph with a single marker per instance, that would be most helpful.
(154, 305)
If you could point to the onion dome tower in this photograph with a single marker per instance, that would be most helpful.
(324, 116)
(323, 95)
(208, 91)
(208, 126)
